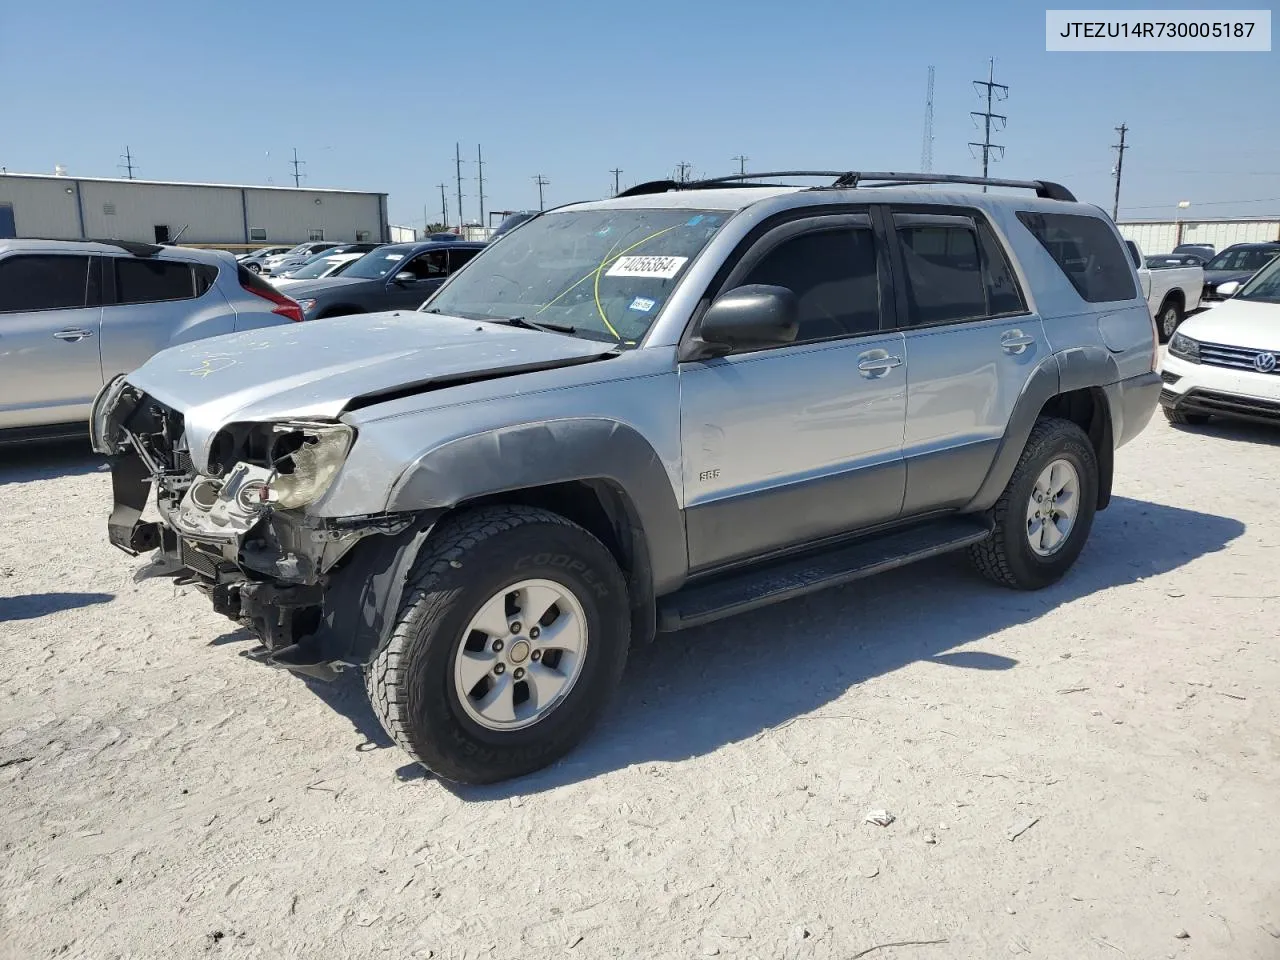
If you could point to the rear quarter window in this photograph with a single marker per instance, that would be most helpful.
(1087, 251)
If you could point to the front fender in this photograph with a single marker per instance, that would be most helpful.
(549, 452)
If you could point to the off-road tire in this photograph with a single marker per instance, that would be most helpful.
(466, 561)
(1170, 312)
(1006, 556)
(1183, 419)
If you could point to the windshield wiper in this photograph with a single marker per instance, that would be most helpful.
(524, 322)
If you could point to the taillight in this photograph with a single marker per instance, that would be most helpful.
(284, 306)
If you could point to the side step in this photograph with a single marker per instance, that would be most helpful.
(737, 593)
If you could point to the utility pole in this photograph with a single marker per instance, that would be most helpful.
(1120, 148)
(617, 172)
(480, 178)
(682, 171)
(926, 147)
(742, 164)
(444, 208)
(541, 181)
(457, 158)
(995, 92)
(297, 164)
(127, 157)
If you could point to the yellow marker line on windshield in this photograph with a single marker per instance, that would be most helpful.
(603, 263)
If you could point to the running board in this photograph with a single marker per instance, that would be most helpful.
(733, 594)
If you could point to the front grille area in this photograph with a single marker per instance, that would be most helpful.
(1237, 358)
(1229, 405)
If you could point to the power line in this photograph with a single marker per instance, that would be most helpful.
(480, 178)
(1206, 203)
(742, 164)
(926, 147)
(995, 92)
(1120, 148)
(127, 166)
(541, 181)
(617, 172)
(297, 165)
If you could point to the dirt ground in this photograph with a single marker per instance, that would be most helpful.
(1088, 772)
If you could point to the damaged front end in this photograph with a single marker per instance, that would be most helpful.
(312, 589)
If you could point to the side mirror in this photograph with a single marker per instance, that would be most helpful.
(404, 276)
(749, 317)
(1228, 289)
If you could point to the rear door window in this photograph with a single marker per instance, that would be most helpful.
(459, 257)
(1087, 251)
(153, 281)
(43, 282)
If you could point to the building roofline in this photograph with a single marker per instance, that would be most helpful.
(1189, 220)
(186, 183)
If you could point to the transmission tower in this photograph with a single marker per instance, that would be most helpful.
(742, 163)
(682, 171)
(480, 178)
(457, 158)
(127, 166)
(926, 147)
(995, 92)
(541, 181)
(1120, 148)
(297, 168)
(444, 210)
(617, 172)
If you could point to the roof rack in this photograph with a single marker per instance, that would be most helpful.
(855, 178)
(137, 248)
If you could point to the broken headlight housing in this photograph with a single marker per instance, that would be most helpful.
(305, 457)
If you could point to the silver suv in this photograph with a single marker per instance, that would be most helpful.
(73, 315)
(641, 414)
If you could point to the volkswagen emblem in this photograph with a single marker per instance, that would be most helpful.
(1265, 362)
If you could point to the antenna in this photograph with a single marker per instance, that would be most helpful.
(127, 166)
(1120, 148)
(617, 172)
(995, 93)
(541, 181)
(926, 147)
(297, 165)
(742, 163)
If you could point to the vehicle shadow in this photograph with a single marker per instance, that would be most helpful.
(32, 606)
(46, 460)
(691, 693)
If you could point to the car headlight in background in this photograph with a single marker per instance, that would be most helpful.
(305, 457)
(1185, 348)
(307, 305)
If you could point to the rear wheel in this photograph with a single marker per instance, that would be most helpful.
(1170, 317)
(1182, 419)
(513, 634)
(1043, 518)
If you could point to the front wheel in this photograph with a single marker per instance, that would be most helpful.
(1043, 518)
(513, 634)
(253, 268)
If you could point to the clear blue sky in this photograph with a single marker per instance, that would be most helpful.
(375, 95)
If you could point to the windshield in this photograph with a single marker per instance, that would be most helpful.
(300, 248)
(606, 273)
(1264, 286)
(314, 268)
(1241, 259)
(378, 263)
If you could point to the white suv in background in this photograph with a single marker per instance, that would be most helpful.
(1225, 362)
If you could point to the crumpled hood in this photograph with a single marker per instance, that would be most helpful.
(314, 370)
(1237, 323)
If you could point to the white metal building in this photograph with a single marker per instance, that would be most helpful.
(1161, 236)
(76, 208)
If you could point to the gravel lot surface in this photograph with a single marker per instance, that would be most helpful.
(1092, 771)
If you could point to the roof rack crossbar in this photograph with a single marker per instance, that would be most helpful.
(856, 178)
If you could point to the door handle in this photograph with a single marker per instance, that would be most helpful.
(1015, 341)
(72, 335)
(870, 365)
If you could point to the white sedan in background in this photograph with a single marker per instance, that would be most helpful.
(316, 269)
(1225, 362)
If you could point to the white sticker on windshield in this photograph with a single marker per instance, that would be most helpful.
(395, 256)
(663, 268)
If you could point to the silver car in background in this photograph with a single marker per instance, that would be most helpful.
(74, 314)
